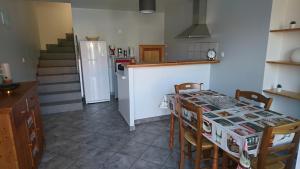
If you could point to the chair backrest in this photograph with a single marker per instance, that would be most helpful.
(290, 149)
(187, 86)
(197, 124)
(255, 97)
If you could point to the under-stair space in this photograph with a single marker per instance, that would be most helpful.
(59, 83)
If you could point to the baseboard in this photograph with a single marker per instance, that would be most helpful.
(151, 119)
(131, 128)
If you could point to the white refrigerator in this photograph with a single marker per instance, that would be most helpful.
(94, 71)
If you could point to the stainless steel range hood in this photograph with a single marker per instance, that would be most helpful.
(199, 28)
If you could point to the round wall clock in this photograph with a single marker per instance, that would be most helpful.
(211, 54)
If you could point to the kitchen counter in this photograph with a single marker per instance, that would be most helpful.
(173, 63)
(142, 87)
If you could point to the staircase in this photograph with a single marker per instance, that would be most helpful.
(59, 85)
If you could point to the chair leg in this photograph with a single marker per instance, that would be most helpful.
(289, 163)
(224, 161)
(215, 157)
(197, 158)
(181, 160)
(189, 151)
(171, 137)
(179, 136)
(207, 155)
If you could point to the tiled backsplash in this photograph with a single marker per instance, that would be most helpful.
(198, 50)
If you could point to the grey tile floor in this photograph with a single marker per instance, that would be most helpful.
(98, 138)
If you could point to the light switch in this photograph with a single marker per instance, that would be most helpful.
(23, 60)
(4, 20)
(2, 17)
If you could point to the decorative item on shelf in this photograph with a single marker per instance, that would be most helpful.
(96, 38)
(292, 24)
(132, 60)
(131, 49)
(295, 57)
(8, 86)
(211, 54)
(112, 50)
(5, 73)
(125, 53)
(279, 88)
(164, 103)
(120, 52)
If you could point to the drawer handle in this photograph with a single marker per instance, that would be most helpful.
(35, 151)
(23, 111)
(32, 136)
(27, 105)
(29, 122)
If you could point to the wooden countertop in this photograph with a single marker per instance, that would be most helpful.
(175, 63)
(7, 101)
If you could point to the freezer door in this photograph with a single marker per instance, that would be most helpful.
(95, 71)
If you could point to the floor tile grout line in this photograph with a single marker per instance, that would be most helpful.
(83, 117)
(140, 158)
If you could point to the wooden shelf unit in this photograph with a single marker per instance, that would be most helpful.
(282, 62)
(286, 30)
(284, 93)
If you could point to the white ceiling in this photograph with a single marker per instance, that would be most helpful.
(110, 4)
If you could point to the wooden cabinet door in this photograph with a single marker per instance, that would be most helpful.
(22, 146)
(8, 156)
(152, 53)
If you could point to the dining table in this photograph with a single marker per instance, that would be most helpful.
(230, 123)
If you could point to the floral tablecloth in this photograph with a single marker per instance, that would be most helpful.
(229, 123)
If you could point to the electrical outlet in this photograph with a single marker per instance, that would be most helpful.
(120, 31)
(222, 54)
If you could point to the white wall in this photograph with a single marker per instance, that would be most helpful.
(119, 28)
(241, 28)
(19, 39)
(54, 21)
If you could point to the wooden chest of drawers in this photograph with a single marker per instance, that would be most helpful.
(21, 131)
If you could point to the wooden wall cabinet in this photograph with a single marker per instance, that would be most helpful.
(21, 131)
(152, 53)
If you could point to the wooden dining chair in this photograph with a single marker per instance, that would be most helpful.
(273, 157)
(255, 97)
(193, 136)
(187, 86)
(178, 88)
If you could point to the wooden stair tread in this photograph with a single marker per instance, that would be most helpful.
(59, 92)
(44, 84)
(61, 102)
